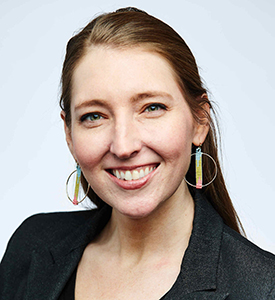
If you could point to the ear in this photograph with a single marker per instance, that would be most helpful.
(67, 133)
(202, 125)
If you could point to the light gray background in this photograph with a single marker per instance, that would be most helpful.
(233, 42)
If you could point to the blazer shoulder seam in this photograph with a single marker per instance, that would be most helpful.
(238, 238)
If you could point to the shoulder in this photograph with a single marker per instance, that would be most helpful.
(48, 226)
(35, 233)
(48, 221)
(241, 247)
(247, 266)
(42, 230)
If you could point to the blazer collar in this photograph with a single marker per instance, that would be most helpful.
(198, 274)
(53, 267)
(200, 263)
(82, 235)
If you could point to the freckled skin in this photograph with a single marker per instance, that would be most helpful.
(126, 131)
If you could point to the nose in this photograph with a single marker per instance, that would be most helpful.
(126, 141)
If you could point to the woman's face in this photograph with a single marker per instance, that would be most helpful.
(131, 129)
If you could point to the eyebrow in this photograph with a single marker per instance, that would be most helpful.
(93, 102)
(145, 95)
(135, 98)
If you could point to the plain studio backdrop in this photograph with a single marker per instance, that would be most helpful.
(233, 42)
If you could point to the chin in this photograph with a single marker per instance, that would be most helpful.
(138, 211)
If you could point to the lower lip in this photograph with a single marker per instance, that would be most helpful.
(132, 184)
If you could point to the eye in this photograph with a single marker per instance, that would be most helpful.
(155, 107)
(91, 117)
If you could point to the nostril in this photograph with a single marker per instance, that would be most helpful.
(125, 156)
(134, 154)
(125, 151)
(125, 141)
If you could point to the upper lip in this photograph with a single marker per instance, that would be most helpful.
(135, 167)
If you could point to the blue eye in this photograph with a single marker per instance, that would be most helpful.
(155, 107)
(91, 117)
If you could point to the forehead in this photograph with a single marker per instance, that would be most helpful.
(130, 69)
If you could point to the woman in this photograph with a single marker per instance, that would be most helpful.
(135, 113)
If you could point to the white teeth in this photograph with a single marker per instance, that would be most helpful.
(146, 172)
(117, 174)
(141, 173)
(128, 175)
(133, 175)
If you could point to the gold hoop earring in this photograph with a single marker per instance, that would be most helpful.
(199, 172)
(77, 186)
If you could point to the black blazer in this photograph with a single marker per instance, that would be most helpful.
(218, 263)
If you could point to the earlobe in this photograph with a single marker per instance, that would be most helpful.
(201, 132)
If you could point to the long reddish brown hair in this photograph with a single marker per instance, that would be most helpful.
(130, 27)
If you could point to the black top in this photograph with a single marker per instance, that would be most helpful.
(218, 263)
(69, 289)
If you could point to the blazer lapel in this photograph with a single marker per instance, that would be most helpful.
(206, 295)
(47, 278)
(50, 269)
(198, 276)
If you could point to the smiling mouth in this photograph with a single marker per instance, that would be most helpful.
(134, 174)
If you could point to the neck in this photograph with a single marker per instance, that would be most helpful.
(167, 229)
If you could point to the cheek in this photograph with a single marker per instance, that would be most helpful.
(88, 149)
(174, 144)
(175, 139)
(177, 148)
